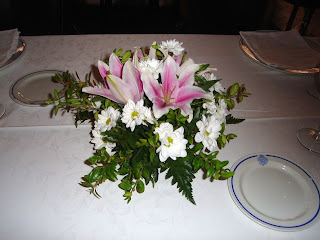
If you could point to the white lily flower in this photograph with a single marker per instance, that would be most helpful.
(99, 143)
(209, 131)
(135, 114)
(107, 119)
(173, 144)
(172, 46)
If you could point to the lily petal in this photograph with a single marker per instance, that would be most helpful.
(119, 89)
(187, 76)
(151, 86)
(115, 65)
(188, 93)
(178, 59)
(186, 64)
(103, 68)
(168, 75)
(131, 77)
(135, 58)
(152, 52)
(160, 109)
(104, 92)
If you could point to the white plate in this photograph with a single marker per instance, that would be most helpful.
(17, 55)
(249, 53)
(35, 88)
(275, 192)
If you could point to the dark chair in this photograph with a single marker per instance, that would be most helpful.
(309, 8)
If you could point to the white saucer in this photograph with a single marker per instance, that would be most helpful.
(35, 88)
(275, 192)
(2, 110)
(17, 55)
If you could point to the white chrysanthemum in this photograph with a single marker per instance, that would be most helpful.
(217, 86)
(107, 119)
(99, 143)
(135, 114)
(218, 110)
(173, 144)
(148, 116)
(172, 46)
(209, 76)
(221, 111)
(208, 132)
(153, 65)
(211, 106)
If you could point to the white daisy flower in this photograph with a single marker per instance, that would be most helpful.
(148, 116)
(172, 46)
(153, 65)
(221, 111)
(134, 114)
(217, 86)
(208, 132)
(209, 76)
(173, 144)
(218, 110)
(107, 119)
(99, 143)
(211, 106)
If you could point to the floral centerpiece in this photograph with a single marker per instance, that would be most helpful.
(154, 111)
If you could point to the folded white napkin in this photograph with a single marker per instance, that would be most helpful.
(279, 49)
(8, 44)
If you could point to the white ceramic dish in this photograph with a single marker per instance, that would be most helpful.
(2, 110)
(35, 88)
(17, 55)
(248, 53)
(275, 192)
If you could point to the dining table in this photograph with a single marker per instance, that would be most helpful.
(43, 157)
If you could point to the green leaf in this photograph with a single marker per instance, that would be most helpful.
(95, 159)
(203, 67)
(226, 174)
(94, 175)
(126, 56)
(140, 186)
(125, 186)
(86, 184)
(197, 147)
(200, 79)
(146, 175)
(56, 108)
(234, 89)
(231, 120)
(123, 170)
(181, 173)
(155, 46)
(127, 194)
(210, 172)
(208, 84)
(119, 52)
(111, 171)
(55, 93)
(224, 163)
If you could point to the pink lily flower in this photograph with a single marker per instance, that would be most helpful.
(121, 82)
(174, 92)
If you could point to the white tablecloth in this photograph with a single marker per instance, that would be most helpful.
(42, 158)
